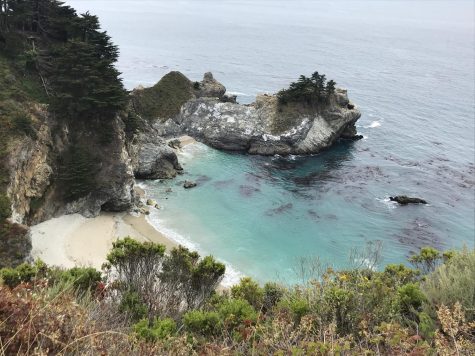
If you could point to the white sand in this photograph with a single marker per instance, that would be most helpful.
(72, 240)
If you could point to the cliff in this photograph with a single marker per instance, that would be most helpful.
(265, 127)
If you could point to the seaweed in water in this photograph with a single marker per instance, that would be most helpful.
(247, 190)
(279, 210)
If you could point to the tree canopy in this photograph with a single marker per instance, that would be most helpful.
(73, 57)
(308, 90)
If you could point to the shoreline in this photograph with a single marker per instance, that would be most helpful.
(73, 240)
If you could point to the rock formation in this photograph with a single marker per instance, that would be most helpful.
(405, 200)
(263, 127)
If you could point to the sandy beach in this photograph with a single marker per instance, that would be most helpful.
(73, 240)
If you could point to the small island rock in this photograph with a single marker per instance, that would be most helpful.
(404, 200)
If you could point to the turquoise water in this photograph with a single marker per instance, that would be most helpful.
(407, 64)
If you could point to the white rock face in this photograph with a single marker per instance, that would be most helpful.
(236, 127)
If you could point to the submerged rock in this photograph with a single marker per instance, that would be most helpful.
(405, 200)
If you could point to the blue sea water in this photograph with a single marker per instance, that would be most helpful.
(409, 66)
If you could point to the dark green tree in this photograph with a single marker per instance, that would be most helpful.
(77, 173)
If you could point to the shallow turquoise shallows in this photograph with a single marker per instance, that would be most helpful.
(407, 64)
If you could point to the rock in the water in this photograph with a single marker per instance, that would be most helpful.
(189, 184)
(405, 200)
(151, 202)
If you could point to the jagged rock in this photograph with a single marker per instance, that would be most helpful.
(189, 184)
(405, 200)
(36, 197)
(229, 99)
(210, 87)
(175, 143)
(152, 158)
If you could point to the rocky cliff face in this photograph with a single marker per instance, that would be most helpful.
(262, 127)
(34, 189)
(151, 156)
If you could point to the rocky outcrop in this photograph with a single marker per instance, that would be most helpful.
(152, 157)
(405, 200)
(30, 167)
(262, 127)
(35, 189)
(210, 87)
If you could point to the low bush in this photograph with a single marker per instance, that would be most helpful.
(235, 312)
(453, 282)
(132, 306)
(83, 279)
(160, 329)
(205, 323)
(250, 291)
(23, 273)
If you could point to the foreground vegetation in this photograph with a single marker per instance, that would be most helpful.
(149, 302)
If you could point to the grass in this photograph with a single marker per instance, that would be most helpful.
(164, 99)
(290, 115)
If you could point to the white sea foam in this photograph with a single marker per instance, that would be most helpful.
(189, 152)
(231, 277)
(237, 93)
(373, 125)
(387, 202)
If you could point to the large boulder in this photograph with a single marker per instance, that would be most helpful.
(152, 157)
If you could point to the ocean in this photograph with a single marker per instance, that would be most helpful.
(408, 65)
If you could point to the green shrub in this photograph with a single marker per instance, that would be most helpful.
(453, 282)
(23, 273)
(427, 325)
(410, 299)
(250, 291)
(273, 293)
(23, 124)
(5, 207)
(132, 306)
(299, 308)
(202, 322)
(83, 278)
(159, 330)
(427, 260)
(398, 274)
(235, 312)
